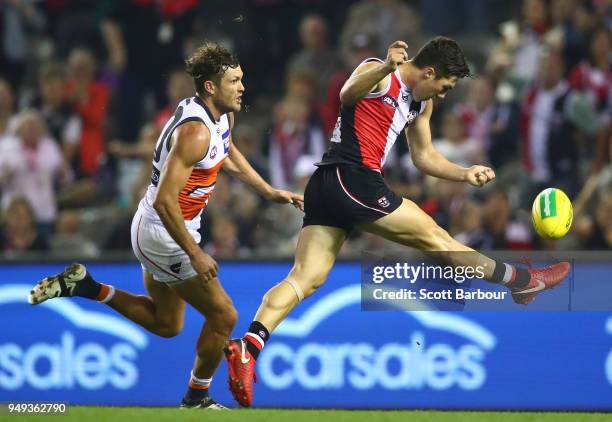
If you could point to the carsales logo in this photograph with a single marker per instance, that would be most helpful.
(64, 362)
(412, 361)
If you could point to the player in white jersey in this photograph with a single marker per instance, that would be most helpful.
(192, 148)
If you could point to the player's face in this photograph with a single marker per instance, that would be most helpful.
(432, 87)
(229, 94)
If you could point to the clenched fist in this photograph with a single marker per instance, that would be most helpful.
(396, 54)
(479, 175)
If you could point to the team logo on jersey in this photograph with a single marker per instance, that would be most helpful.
(405, 97)
(383, 202)
(411, 116)
(176, 268)
(213, 152)
(390, 101)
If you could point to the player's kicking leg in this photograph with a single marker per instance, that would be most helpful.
(162, 313)
(316, 253)
(411, 226)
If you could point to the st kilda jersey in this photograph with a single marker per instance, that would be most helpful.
(365, 132)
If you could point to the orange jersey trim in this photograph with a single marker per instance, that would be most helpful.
(199, 187)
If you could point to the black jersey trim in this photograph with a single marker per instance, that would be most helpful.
(188, 119)
(202, 104)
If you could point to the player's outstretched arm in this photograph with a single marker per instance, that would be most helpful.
(427, 159)
(238, 166)
(189, 144)
(372, 76)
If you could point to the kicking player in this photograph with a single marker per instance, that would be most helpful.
(348, 191)
(193, 146)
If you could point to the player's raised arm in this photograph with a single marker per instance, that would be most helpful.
(189, 144)
(372, 76)
(427, 159)
(238, 166)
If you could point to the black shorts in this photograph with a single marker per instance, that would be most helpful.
(345, 196)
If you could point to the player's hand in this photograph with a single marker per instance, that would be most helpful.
(286, 197)
(479, 175)
(205, 266)
(396, 54)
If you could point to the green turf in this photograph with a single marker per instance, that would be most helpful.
(150, 414)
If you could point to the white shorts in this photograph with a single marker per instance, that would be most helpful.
(158, 253)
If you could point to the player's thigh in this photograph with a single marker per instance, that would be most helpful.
(411, 226)
(209, 298)
(169, 306)
(316, 252)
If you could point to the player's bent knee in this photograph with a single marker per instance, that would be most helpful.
(169, 330)
(224, 319)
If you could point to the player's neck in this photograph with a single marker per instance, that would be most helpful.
(212, 108)
(409, 74)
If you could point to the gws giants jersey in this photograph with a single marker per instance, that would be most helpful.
(366, 131)
(194, 196)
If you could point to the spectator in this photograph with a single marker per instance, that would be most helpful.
(90, 100)
(68, 240)
(293, 136)
(134, 162)
(387, 20)
(133, 55)
(30, 164)
(549, 130)
(63, 124)
(519, 49)
(19, 233)
(597, 234)
(455, 144)
(492, 118)
(316, 55)
(499, 223)
(466, 227)
(179, 86)
(224, 239)
(593, 77)
(363, 46)
(19, 20)
(7, 105)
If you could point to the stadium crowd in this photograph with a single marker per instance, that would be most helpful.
(86, 86)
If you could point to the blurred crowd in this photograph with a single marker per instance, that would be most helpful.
(86, 86)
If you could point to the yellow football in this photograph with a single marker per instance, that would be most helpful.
(552, 213)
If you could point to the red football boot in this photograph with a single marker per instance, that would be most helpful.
(541, 279)
(241, 366)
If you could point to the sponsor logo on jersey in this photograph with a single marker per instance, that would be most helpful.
(390, 101)
(176, 268)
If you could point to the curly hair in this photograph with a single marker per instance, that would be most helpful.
(209, 63)
(445, 56)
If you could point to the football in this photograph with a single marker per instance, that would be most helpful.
(552, 213)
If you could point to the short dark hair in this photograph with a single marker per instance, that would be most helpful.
(209, 63)
(445, 56)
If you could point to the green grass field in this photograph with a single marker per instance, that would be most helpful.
(150, 414)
